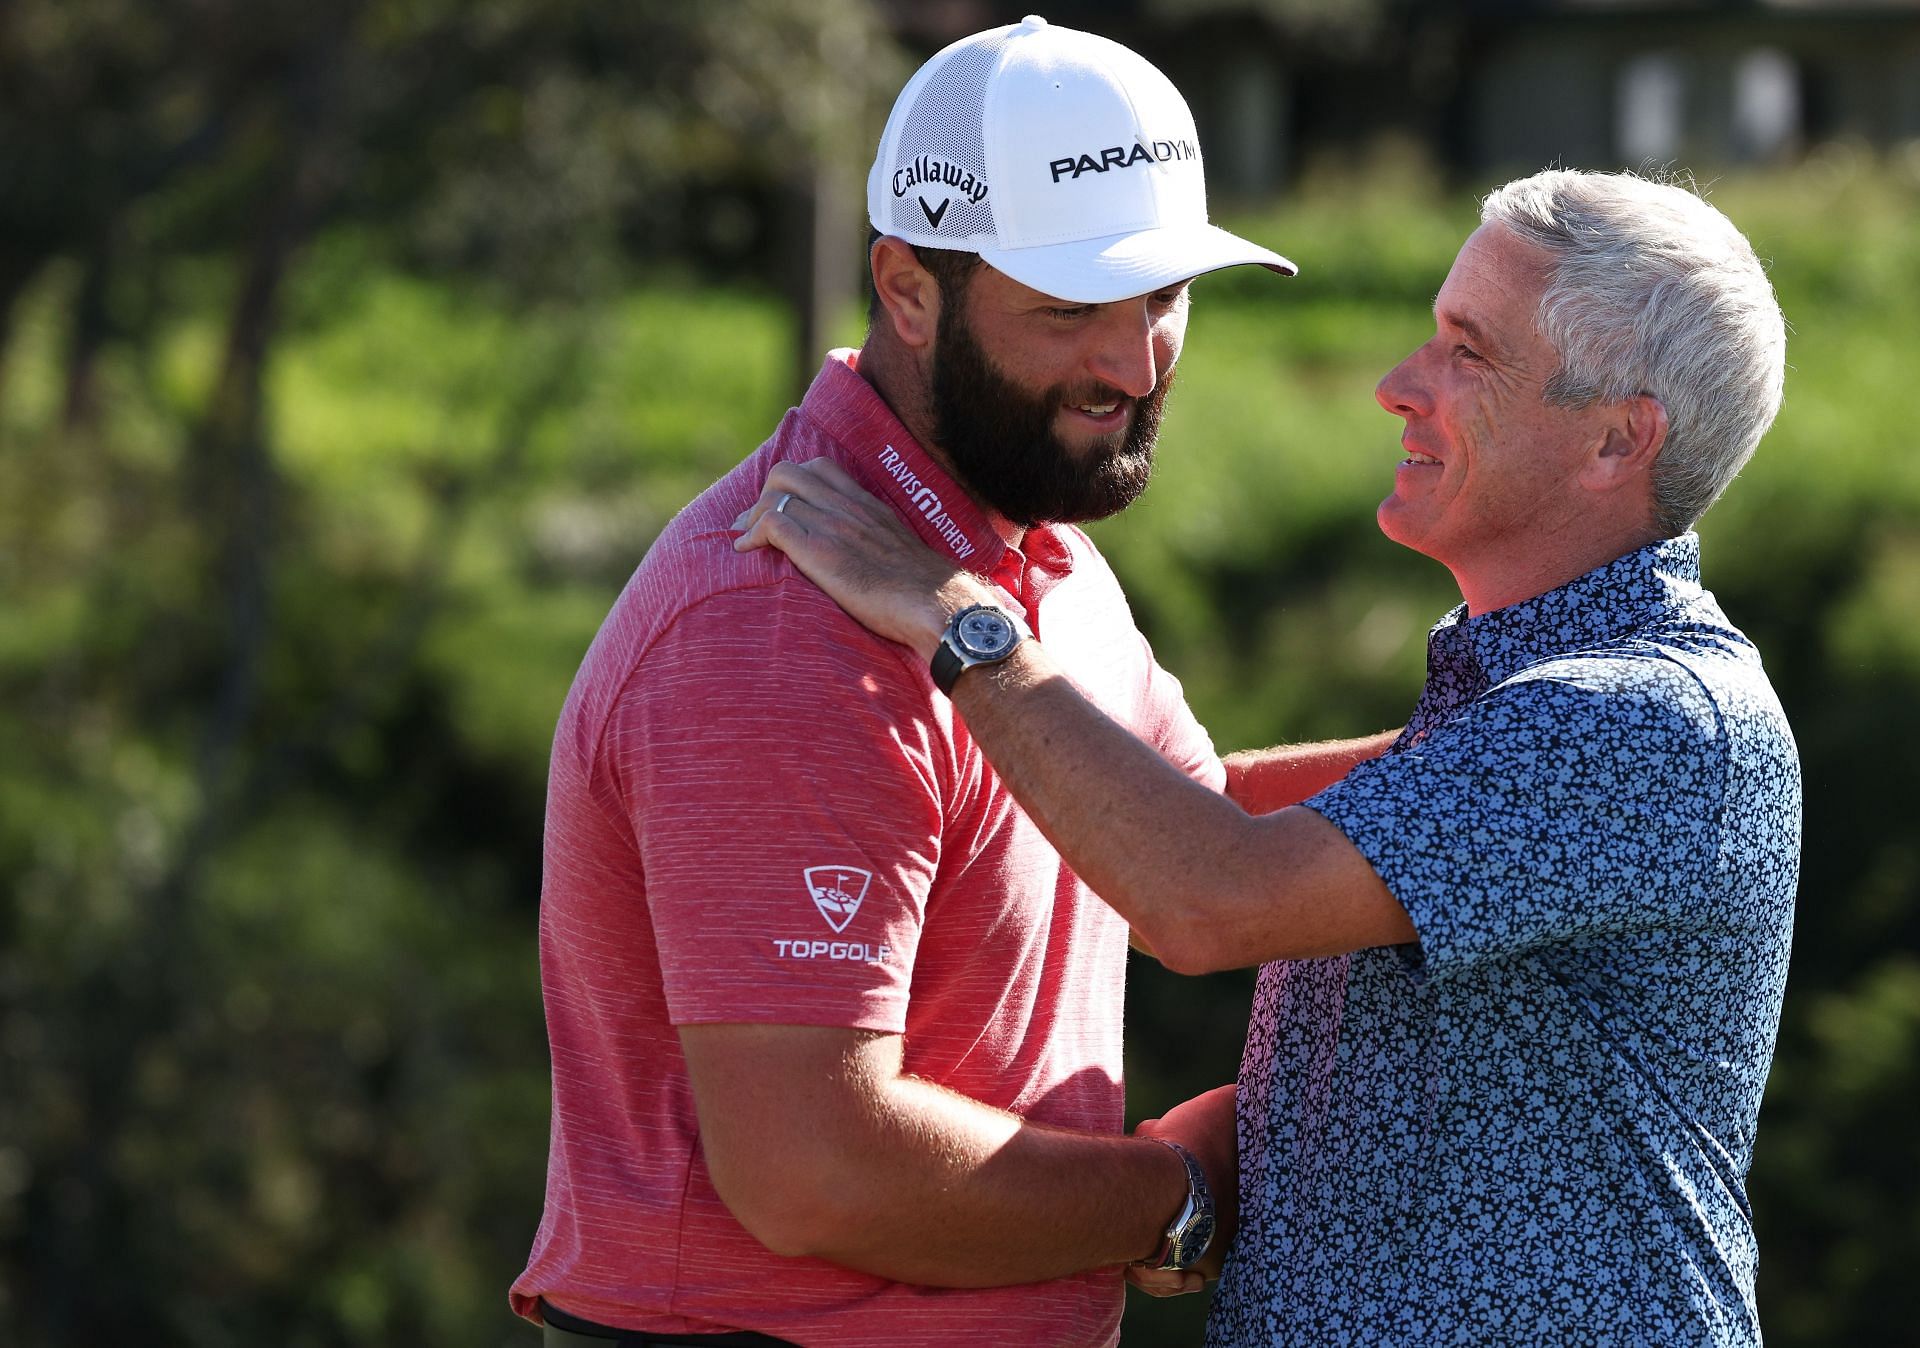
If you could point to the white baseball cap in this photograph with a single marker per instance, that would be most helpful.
(1061, 158)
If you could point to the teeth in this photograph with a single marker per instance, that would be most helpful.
(1414, 456)
(1099, 410)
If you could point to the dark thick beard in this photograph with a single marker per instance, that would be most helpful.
(1000, 441)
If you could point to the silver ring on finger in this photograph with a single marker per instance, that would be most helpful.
(780, 507)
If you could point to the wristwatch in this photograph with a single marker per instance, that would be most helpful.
(979, 634)
(1191, 1232)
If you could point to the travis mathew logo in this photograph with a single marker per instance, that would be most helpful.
(837, 892)
(1123, 156)
(927, 501)
(947, 180)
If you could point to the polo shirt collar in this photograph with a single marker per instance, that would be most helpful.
(1590, 611)
(877, 449)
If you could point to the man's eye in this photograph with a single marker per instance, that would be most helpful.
(1466, 353)
(1071, 311)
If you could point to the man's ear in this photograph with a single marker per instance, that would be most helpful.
(907, 291)
(1629, 445)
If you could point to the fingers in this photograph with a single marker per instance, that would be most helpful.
(817, 482)
(831, 475)
(789, 492)
(758, 525)
(1165, 1282)
(818, 495)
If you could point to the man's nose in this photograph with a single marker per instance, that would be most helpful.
(1400, 389)
(1125, 356)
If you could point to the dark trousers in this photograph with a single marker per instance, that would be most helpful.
(570, 1331)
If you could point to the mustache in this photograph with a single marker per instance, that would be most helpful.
(1094, 395)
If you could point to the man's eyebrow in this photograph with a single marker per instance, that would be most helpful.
(1474, 332)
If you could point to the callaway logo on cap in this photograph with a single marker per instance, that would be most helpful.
(1061, 158)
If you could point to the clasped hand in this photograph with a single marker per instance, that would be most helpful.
(1205, 1126)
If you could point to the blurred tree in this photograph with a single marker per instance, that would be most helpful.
(215, 728)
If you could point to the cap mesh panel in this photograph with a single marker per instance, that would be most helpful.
(943, 125)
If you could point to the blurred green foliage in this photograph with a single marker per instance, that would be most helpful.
(333, 414)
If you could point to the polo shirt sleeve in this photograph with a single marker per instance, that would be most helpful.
(782, 770)
(1577, 800)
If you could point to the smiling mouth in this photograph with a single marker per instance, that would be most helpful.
(1096, 409)
(1416, 457)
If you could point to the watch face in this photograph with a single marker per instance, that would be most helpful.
(985, 633)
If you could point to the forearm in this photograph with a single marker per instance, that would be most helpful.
(1155, 845)
(949, 1192)
(821, 1146)
(1206, 885)
(1264, 780)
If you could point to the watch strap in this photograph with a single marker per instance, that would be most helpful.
(946, 668)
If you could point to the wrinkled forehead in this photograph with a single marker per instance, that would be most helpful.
(1495, 286)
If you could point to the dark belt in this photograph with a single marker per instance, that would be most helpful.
(562, 1330)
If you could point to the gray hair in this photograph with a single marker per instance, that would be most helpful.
(1653, 291)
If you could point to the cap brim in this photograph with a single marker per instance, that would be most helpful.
(1119, 266)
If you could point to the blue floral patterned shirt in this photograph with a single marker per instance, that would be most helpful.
(1534, 1125)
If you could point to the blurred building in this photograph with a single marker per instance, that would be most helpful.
(1490, 85)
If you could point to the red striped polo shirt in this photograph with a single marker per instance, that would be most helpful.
(759, 812)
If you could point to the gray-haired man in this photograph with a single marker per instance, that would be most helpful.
(1522, 974)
